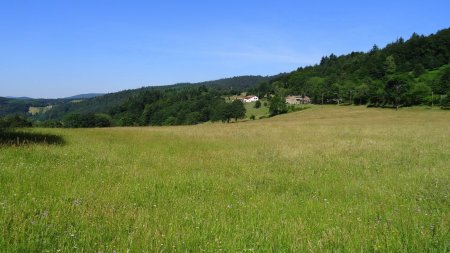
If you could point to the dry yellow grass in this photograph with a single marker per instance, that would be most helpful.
(36, 110)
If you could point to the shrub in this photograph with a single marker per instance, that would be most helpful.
(78, 120)
(15, 121)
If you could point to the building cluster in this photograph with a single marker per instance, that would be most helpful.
(291, 99)
(297, 100)
(247, 99)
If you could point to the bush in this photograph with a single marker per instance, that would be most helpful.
(277, 106)
(445, 104)
(49, 124)
(293, 108)
(78, 120)
(15, 121)
(102, 120)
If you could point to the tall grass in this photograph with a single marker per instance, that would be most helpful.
(324, 179)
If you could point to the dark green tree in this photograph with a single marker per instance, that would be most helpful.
(445, 103)
(277, 106)
(362, 92)
(418, 70)
(83, 120)
(444, 82)
(237, 110)
(420, 93)
(14, 121)
(396, 90)
(390, 65)
(257, 104)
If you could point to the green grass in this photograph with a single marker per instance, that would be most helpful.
(263, 111)
(324, 179)
(432, 75)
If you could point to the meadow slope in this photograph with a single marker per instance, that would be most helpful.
(324, 179)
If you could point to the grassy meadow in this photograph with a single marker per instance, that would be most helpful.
(262, 111)
(348, 179)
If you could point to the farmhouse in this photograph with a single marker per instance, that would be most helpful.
(249, 99)
(241, 98)
(296, 100)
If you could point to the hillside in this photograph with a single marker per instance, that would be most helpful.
(403, 73)
(11, 106)
(104, 103)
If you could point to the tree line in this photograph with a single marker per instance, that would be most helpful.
(180, 106)
(404, 73)
(171, 106)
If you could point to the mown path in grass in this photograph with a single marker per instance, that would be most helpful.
(324, 179)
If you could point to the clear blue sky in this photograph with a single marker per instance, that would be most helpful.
(66, 47)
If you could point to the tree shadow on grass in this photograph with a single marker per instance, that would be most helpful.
(20, 138)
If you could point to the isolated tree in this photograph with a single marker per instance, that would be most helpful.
(237, 110)
(258, 104)
(217, 111)
(277, 106)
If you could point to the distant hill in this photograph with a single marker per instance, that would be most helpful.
(80, 96)
(106, 102)
(85, 96)
(408, 72)
(103, 103)
(10, 106)
(19, 98)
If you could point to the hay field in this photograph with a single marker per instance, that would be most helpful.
(324, 179)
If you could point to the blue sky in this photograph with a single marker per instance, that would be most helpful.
(60, 48)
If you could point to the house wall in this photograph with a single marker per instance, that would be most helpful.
(253, 99)
(292, 101)
(296, 100)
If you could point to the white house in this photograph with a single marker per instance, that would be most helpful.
(249, 99)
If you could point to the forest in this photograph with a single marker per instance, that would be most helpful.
(405, 73)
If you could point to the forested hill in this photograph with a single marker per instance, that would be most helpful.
(105, 103)
(99, 103)
(401, 74)
(408, 72)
